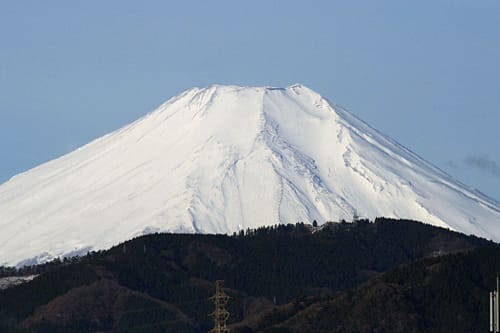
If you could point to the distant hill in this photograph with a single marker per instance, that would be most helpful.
(288, 278)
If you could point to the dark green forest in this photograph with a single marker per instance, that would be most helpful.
(380, 276)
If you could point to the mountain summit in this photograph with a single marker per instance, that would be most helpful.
(222, 159)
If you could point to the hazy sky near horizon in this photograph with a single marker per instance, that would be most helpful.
(426, 73)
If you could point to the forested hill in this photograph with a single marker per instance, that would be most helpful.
(433, 295)
(163, 282)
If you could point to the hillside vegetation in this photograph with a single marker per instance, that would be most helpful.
(287, 278)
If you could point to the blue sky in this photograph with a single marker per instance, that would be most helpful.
(426, 73)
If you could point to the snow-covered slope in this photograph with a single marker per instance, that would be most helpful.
(226, 158)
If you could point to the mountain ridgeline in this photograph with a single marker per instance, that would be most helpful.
(381, 276)
(222, 159)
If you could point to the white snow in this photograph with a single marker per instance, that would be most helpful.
(11, 281)
(225, 158)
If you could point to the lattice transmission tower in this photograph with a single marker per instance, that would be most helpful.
(220, 313)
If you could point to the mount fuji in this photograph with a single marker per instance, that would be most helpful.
(222, 159)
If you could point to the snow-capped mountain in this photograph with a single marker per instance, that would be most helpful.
(225, 158)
